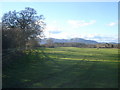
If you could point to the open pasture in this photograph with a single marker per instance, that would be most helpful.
(64, 67)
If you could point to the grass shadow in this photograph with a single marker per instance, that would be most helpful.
(26, 69)
(37, 69)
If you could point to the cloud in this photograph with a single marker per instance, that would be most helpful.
(94, 36)
(101, 37)
(63, 35)
(80, 23)
(112, 24)
(53, 28)
(55, 32)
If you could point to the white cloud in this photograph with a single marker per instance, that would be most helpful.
(80, 23)
(55, 30)
(62, 35)
(94, 36)
(112, 24)
(101, 37)
(53, 27)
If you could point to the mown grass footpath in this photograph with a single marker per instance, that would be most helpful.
(64, 67)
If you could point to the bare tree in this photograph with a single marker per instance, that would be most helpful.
(20, 27)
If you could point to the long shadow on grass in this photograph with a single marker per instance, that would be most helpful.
(98, 75)
(82, 75)
(25, 69)
(39, 70)
(88, 57)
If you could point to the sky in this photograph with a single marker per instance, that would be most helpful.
(65, 20)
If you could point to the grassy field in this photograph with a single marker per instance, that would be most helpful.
(64, 67)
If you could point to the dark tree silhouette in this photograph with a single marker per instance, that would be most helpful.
(20, 27)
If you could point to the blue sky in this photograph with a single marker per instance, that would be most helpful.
(89, 20)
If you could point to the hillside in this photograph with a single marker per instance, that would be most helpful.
(77, 40)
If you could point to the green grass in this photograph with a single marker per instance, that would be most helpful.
(64, 67)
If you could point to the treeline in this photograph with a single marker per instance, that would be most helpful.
(81, 45)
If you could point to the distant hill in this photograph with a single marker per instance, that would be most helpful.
(77, 40)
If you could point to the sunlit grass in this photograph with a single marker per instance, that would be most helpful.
(91, 54)
(64, 67)
(88, 60)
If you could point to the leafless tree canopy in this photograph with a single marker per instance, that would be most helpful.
(20, 27)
